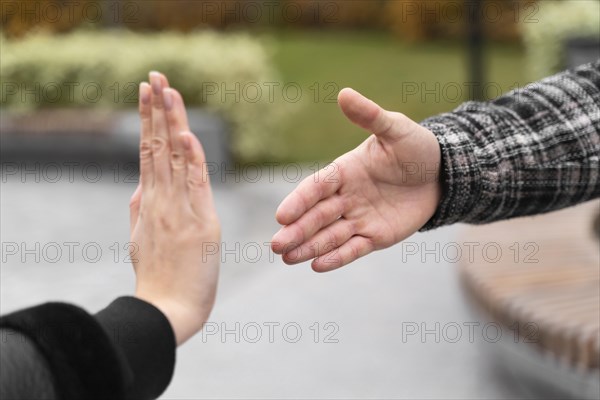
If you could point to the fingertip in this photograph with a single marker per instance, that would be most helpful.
(156, 82)
(168, 98)
(320, 266)
(282, 242)
(359, 109)
(279, 216)
(289, 259)
(163, 79)
(276, 246)
(160, 78)
(145, 93)
(315, 266)
(345, 93)
(284, 216)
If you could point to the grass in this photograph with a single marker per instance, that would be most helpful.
(384, 69)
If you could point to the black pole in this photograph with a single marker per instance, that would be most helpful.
(475, 42)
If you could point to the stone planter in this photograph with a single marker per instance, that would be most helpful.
(96, 135)
(581, 50)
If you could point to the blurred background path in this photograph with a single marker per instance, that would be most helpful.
(376, 335)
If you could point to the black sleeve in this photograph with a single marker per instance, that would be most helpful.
(58, 350)
(146, 340)
(24, 372)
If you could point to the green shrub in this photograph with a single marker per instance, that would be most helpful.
(557, 21)
(103, 69)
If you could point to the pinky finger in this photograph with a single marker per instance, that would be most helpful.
(134, 207)
(198, 183)
(353, 249)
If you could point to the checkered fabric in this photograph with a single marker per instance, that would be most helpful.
(531, 151)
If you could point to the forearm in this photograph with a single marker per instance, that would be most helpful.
(531, 151)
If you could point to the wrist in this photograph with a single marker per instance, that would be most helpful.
(183, 322)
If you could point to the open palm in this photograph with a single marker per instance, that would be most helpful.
(368, 199)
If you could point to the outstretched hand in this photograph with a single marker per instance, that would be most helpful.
(173, 219)
(370, 198)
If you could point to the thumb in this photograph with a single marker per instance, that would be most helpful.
(370, 116)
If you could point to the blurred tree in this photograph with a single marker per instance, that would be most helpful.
(190, 14)
(21, 16)
(417, 20)
(338, 14)
(413, 20)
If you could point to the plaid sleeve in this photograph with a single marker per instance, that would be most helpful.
(531, 151)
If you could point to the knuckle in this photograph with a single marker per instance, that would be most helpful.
(319, 215)
(341, 205)
(195, 179)
(300, 234)
(369, 245)
(145, 150)
(144, 111)
(398, 116)
(177, 160)
(331, 242)
(158, 145)
(165, 223)
(304, 200)
(133, 203)
(353, 226)
(334, 174)
(157, 102)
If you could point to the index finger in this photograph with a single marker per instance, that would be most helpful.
(309, 192)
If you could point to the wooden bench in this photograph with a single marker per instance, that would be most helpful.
(546, 285)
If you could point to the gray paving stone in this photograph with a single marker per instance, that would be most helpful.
(368, 304)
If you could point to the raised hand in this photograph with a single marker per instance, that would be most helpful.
(175, 230)
(370, 198)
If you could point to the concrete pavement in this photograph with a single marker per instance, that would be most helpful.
(384, 327)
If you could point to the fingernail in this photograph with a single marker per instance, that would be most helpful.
(144, 93)
(168, 99)
(156, 83)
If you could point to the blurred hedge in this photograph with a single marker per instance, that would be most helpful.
(409, 19)
(104, 68)
(562, 20)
